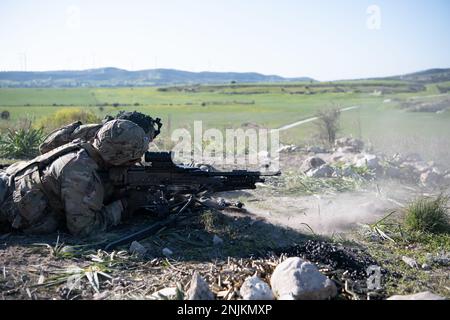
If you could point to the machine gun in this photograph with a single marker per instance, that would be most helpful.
(162, 187)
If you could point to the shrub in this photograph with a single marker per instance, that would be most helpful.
(66, 116)
(21, 144)
(5, 115)
(428, 214)
(328, 123)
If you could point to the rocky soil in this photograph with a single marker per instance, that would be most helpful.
(309, 234)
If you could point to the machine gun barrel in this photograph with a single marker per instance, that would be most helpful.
(161, 173)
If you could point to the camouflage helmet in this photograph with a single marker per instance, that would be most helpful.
(120, 142)
(150, 126)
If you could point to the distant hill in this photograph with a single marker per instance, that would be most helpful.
(111, 77)
(426, 76)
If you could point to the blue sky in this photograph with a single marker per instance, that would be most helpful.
(326, 40)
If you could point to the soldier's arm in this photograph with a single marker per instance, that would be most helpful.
(85, 132)
(83, 194)
(59, 137)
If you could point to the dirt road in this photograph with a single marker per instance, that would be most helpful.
(298, 123)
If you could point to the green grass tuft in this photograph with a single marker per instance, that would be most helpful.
(21, 143)
(427, 214)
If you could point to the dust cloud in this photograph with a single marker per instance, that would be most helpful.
(335, 213)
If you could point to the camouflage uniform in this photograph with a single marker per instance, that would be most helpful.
(69, 133)
(87, 132)
(62, 187)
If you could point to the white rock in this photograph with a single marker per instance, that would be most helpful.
(167, 252)
(165, 294)
(199, 289)
(410, 262)
(101, 295)
(137, 248)
(369, 160)
(254, 288)
(430, 178)
(217, 241)
(350, 144)
(426, 295)
(302, 280)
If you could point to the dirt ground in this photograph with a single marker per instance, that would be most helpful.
(272, 226)
(32, 270)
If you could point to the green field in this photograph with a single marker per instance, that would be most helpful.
(378, 119)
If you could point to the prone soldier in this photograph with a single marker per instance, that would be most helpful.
(62, 188)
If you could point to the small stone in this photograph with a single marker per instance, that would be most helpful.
(410, 262)
(167, 252)
(199, 289)
(137, 248)
(217, 241)
(350, 144)
(101, 295)
(165, 294)
(426, 266)
(254, 288)
(368, 160)
(426, 295)
(430, 178)
(441, 259)
(302, 280)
